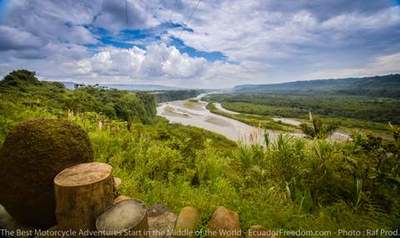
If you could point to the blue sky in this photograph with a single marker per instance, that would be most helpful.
(128, 38)
(191, 43)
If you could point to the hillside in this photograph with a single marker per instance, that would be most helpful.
(290, 184)
(386, 85)
(22, 88)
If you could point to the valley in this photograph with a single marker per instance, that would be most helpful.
(194, 112)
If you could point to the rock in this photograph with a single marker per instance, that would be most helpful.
(224, 223)
(121, 198)
(33, 153)
(188, 220)
(117, 182)
(125, 219)
(161, 221)
(257, 231)
(156, 210)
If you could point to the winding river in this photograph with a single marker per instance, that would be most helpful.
(196, 114)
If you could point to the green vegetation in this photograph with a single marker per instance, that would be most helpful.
(288, 184)
(165, 96)
(318, 129)
(22, 89)
(348, 112)
(376, 86)
(192, 104)
(254, 120)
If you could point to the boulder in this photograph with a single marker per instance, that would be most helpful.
(125, 219)
(257, 231)
(33, 153)
(161, 221)
(156, 210)
(224, 223)
(186, 223)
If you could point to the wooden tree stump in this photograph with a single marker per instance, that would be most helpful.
(125, 219)
(83, 192)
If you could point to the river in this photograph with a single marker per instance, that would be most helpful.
(196, 114)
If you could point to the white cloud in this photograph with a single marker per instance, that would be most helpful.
(357, 21)
(158, 61)
(385, 64)
(111, 61)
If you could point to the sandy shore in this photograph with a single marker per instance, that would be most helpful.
(196, 114)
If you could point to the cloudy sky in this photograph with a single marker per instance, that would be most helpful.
(199, 43)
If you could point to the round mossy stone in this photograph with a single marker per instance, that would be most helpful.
(33, 153)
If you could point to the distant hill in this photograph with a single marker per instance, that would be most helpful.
(386, 85)
(128, 87)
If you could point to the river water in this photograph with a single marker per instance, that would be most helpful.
(196, 114)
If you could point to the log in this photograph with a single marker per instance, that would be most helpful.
(125, 219)
(82, 193)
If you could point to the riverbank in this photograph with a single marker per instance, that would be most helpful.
(195, 113)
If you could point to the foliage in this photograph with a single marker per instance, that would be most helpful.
(292, 183)
(347, 111)
(172, 95)
(377, 86)
(317, 128)
(53, 97)
(19, 78)
(254, 120)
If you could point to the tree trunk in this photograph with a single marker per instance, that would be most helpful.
(127, 218)
(83, 192)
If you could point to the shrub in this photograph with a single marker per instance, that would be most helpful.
(33, 153)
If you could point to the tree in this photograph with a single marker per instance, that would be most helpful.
(19, 78)
(317, 128)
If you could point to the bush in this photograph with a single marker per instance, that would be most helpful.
(33, 153)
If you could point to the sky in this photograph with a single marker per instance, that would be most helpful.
(199, 43)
